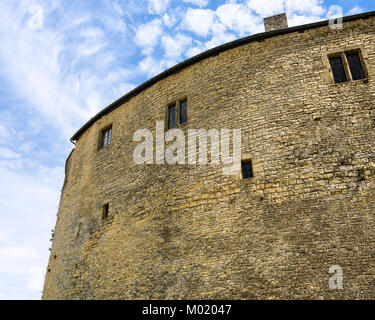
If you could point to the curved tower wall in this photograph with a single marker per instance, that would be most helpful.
(186, 231)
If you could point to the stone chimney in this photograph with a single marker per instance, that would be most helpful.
(277, 22)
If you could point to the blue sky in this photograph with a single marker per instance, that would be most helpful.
(63, 61)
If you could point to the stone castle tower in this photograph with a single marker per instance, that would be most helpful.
(303, 98)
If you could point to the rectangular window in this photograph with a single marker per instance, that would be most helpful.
(106, 136)
(177, 113)
(247, 169)
(338, 69)
(355, 65)
(105, 211)
(183, 111)
(172, 116)
(347, 66)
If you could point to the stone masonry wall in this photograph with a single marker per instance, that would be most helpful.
(190, 232)
(276, 22)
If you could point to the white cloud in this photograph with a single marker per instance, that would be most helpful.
(199, 3)
(118, 8)
(23, 253)
(148, 35)
(91, 41)
(3, 236)
(4, 133)
(193, 51)
(157, 6)
(175, 47)
(152, 66)
(267, 8)
(355, 10)
(221, 24)
(27, 147)
(52, 69)
(239, 18)
(6, 153)
(169, 20)
(309, 7)
(296, 20)
(29, 204)
(36, 278)
(115, 24)
(22, 189)
(219, 39)
(199, 21)
(36, 20)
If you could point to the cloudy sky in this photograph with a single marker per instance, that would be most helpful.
(62, 61)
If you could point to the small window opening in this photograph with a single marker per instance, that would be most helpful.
(172, 116)
(338, 70)
(105, 211)
(247, 169)
(355, 65)
(106, 137)
(183, 111)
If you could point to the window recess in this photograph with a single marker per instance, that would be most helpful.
(347, 66)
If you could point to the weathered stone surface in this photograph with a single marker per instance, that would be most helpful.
(187, 231)
(276, 22)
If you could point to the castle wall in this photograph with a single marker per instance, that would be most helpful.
(190, 232)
